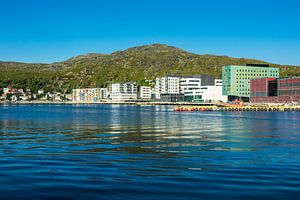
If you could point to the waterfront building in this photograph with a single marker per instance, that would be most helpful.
(57, 96)
(176, 89)
(144, 92)
(6, 90)
(189, 83)
(270, 90)
(172, 97)
(68, 97)
(14, 94)
(167, 85)
(104, 93)
(263, 87)
(24, 97)
(40, 92)
(10, 90)
(190, 86)
(167, 88)
(89, 95)
(208, 93)
(289, 86)
(14, 98)
(121, 92)
(236, 79)
(126, 87)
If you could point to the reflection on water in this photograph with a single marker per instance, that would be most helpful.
(148, 152)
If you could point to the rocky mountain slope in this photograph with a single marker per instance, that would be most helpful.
(134, 64)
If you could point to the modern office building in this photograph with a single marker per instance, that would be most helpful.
(289, 86)
(270, 90)
(120, 92)
(263, 87)
(184, 88)
(208, 93)
(189, 83)
(236, 79)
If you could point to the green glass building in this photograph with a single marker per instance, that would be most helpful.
(236, 79)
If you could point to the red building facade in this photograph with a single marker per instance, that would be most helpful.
(289, 87)
(263, 87)
(270, 90)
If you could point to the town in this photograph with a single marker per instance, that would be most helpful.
(255, 83)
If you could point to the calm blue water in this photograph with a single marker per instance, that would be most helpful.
(150, 152)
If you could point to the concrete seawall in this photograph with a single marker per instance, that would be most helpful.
(237, 108)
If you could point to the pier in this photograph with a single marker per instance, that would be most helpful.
(237, 108)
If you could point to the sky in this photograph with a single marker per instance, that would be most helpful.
(55, 30)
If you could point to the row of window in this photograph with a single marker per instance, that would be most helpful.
(256, 71)
(241, 86)
(242, 90)
(188, 93)
(246, 93)
(190, 88)
(189, 85)
(259, 94)
(289, 92)
(289, 84)
(242, 82)
(256, 75)
(190, 80)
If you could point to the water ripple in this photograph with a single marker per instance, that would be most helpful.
(132, 152)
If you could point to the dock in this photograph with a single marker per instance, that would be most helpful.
(237, 108)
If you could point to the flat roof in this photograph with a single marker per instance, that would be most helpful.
(250, 66)
(258, 65)
(197, 76)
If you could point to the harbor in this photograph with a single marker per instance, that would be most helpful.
(90, 148)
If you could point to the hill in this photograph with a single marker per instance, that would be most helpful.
(134, 64)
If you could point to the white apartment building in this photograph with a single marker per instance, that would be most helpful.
(144, 92)
(120, 92)
(167, 85)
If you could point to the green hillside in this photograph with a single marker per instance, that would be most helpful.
(134, 64)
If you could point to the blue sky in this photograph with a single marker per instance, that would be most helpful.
(55, 30)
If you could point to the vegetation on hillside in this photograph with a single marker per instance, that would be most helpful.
(134, 64)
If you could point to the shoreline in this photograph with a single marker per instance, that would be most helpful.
(37, 102)
(103, 103)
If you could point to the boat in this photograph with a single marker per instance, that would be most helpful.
(236, 103)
